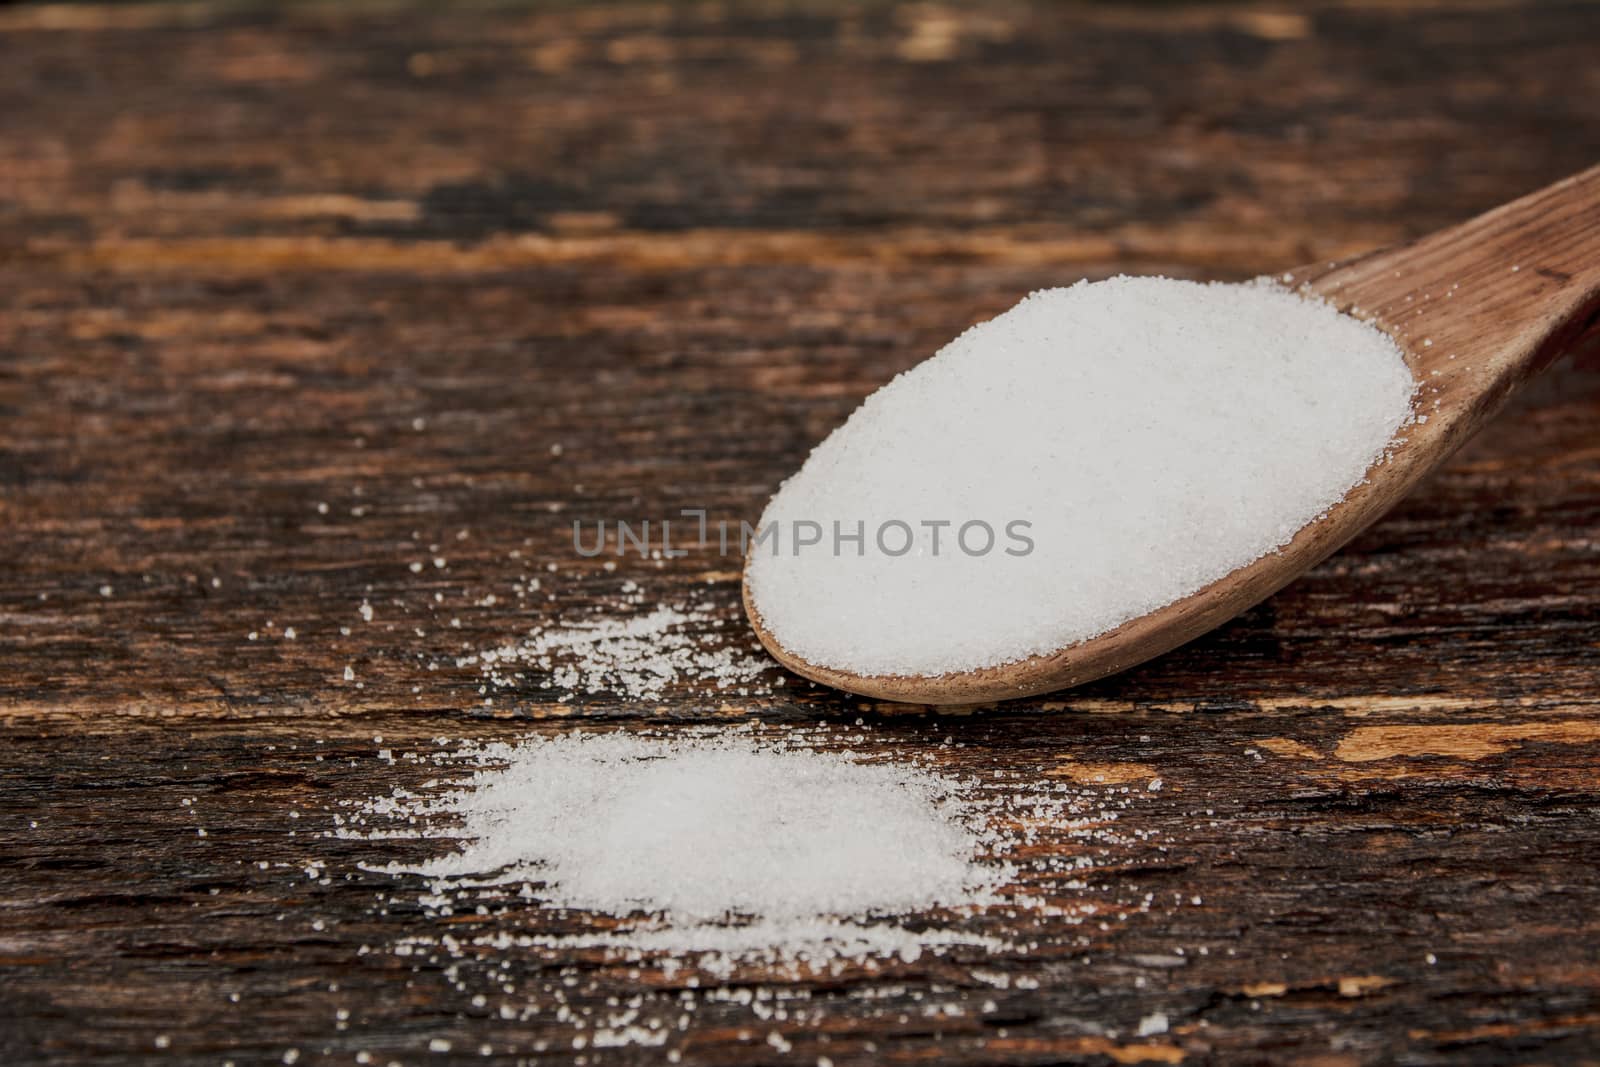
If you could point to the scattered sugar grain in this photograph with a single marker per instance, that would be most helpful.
(1034, 846)
(639, 657)
(712, 849)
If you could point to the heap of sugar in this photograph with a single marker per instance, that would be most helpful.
(714, 826)
(717, 840)
(639, 657)
(1124, 443)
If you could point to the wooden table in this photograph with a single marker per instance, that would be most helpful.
(292, 301)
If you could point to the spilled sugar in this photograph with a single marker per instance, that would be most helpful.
(1154, 435)
(638, 657)
(713, 827)
(718, 841)
(730, 848)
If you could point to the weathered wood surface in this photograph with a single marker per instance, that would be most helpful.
(383, 259)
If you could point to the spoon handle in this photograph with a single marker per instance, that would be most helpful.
(1481, 307)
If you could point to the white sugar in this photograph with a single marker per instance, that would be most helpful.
(639, 656)
(1152, 435)
(714, 827)
(700, 857)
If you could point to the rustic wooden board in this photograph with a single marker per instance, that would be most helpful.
(383, 259)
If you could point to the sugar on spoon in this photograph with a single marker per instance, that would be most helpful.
(1524, 287)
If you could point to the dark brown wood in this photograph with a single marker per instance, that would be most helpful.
(242, 251)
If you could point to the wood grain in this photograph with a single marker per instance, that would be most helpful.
(243, 251)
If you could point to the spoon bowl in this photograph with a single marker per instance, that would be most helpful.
(1477, 309)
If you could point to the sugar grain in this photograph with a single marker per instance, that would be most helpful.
(716, 826)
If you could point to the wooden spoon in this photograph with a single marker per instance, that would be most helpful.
(1477, 309)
